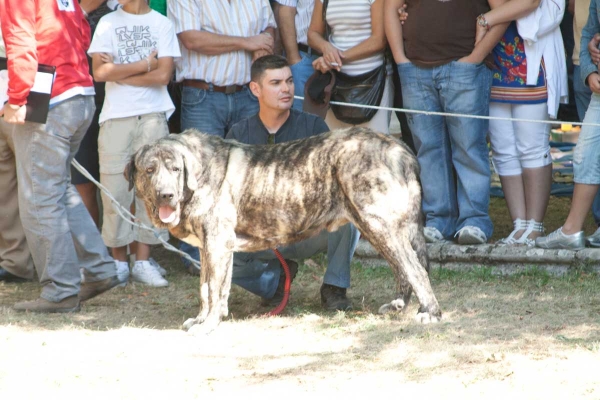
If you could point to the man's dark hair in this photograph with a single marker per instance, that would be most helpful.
(264, 63)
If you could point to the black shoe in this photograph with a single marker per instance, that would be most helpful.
(334, 298)
(6, 276)
(278, 296)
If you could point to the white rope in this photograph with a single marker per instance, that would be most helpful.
(444, 114)
(126, 215)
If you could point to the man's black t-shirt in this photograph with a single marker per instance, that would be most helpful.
(299, 125)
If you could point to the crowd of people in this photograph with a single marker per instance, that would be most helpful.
(231, 69)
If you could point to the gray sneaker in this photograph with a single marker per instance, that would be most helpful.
(433, 235)
(471, 235)
(558, 240)
(594, 239)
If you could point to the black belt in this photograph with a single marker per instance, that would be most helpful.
(200, 84)
(309, 50)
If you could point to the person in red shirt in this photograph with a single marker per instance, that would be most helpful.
(61, 234)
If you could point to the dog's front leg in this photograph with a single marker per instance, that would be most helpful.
(214, 292)
(204, 288)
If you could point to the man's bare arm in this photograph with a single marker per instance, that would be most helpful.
(213, 44)
(287, 31)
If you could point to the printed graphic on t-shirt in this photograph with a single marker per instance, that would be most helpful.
(65, 5)
(134, 43)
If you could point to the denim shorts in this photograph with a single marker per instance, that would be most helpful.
(586, 156)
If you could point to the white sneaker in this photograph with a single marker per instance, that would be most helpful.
(433, 235)
(144, 272)
(471, 235)
(122, 273)
(161, 270)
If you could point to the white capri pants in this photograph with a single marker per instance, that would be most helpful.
(517, 145)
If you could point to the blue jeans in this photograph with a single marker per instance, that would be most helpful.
(61, 234)
(583, 95)
(213, 112)
(452, 151)
(259, 272)
(301, 71)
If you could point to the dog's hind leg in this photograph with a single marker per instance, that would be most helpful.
(395, 244)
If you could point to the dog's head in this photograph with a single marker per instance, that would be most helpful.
(164, 175)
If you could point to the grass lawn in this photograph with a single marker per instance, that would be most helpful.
(527, 336)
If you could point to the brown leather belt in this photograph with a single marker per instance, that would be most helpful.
(199, 84)
(308, 50)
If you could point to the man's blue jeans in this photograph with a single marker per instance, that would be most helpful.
(301, 71)
(61, 234)
(452, 151)
(583, 95)
(259, 272)
(213, 112)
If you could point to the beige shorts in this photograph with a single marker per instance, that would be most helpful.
(119, 139)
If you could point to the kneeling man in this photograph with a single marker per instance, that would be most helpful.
(276, 122)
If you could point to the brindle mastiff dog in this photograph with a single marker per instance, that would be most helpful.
(223, 196)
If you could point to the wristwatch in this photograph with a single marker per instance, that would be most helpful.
(481, 21)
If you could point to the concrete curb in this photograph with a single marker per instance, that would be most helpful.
(502, 259)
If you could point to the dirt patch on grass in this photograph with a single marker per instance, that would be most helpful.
(528, 336)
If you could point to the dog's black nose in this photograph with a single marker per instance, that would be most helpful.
(166, 196)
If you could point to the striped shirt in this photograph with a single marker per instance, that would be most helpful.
(350, 23)
(304, 10)
(243, 18)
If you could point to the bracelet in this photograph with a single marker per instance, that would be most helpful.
(148, 61)
(481, 21)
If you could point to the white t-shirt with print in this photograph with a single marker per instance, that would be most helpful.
(130, 38)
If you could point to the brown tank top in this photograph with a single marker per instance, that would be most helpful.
(440, 31)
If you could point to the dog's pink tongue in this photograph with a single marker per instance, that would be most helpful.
(166, 214)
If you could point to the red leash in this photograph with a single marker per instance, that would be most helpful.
(286, 287)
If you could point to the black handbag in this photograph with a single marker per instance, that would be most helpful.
(365, 89)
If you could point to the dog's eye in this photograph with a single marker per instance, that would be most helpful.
(150, 170)
(175, 169)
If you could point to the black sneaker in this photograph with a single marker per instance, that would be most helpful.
(278, 296)
(334, 298)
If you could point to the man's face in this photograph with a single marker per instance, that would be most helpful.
(275, 89)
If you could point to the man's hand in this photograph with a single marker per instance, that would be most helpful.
(402, 14)
(259, 53)
(13, 114)
(593, 81)
(469, 59)
(593, 48)
(153, 57)
(262, 41)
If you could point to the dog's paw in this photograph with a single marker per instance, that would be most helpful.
(189, 323)
(427, 318)
(204, 328)
(395, 306)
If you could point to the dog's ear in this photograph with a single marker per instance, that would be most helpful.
(191, 170)
(130, 172)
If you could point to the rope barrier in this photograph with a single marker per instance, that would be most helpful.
(126, 215)
(445, 114)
